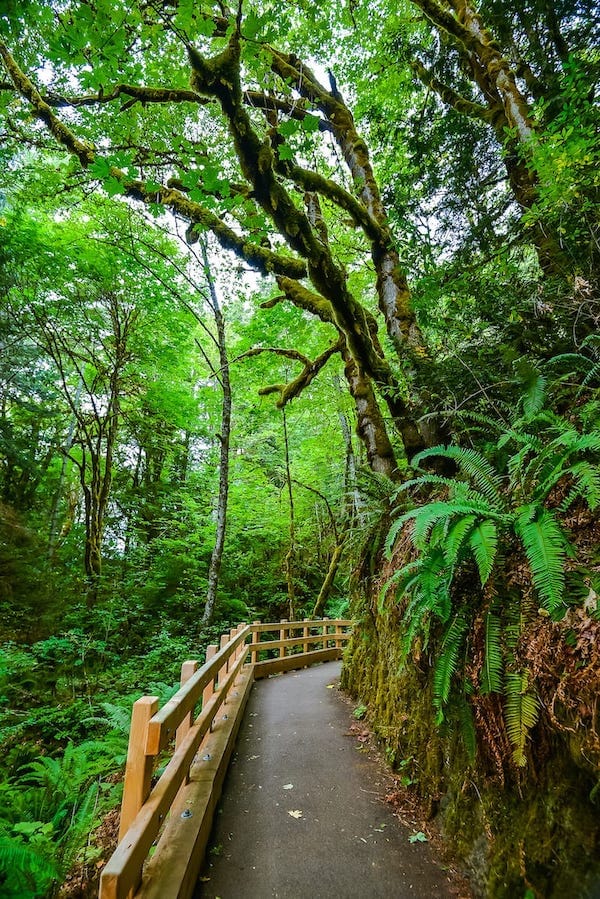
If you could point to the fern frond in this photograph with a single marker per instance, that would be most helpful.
(526, 440)
(474, 505)
(434, 583)
(430, 596)
(545, 546)
(473, 464)
(393, 532)
(552, 468)
(576, 360)
(447, 662)
(593, 341)
(491, 681)
(592, 375)
(418, 608)
(456, 537)
(587, 484)
(484, 422)
(426, 520)
(425, 480)
(529, 375)
(535, 395)
(25, 869)
(484, 543)
(402, 579)
(574, 442)
(117, 717)
(520, 712)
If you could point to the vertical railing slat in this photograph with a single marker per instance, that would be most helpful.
(187, 669)
(138, 768)
(255, 639)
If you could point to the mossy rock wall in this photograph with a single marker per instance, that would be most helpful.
(523, 834)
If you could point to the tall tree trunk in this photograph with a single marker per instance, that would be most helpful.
(507, 110)
(94, 526)
(370, 423)
(327, 585)
(353, 499)
(223, 376)
(53, 529)
(291, 554)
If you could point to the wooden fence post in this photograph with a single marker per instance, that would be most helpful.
(187, 669)
(242, 645)
(282, 633)
(325, 627)
(305, 635)
(255, 639)
(225, 666)
(208, 692)
(138, 768)
(211, 651)
(338, 635)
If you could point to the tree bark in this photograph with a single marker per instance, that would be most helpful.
(216, 557)
(53, 528)
(370, 423)
(291, 554)
(508, 110)
(327, 586)
(219, 78)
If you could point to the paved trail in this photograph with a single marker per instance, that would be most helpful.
(294, 755)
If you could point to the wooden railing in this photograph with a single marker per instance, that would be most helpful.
(193, 735)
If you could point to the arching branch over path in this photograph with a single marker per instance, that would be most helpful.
(248, 195)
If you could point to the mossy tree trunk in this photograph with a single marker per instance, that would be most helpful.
(267, 176)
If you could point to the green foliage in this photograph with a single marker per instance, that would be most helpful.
(521, 709)
(545, 546)
(447, 661)
(505, 501)
(48, 809)
(493, 663)
(25, 873)
(360, 712)
(78, 265)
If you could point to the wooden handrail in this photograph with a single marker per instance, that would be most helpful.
(297, 641)
(145, 810)
(162, 725)
(260, 627)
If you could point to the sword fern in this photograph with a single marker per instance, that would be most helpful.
(486, 509)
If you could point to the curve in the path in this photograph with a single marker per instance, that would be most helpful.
(301, 815)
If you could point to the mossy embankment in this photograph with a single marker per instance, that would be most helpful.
(531, 832)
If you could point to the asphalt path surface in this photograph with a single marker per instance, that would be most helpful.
(302, 815)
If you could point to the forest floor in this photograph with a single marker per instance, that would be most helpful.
(310, 809)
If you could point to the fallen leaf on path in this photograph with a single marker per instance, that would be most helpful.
(418, 838)
(295, 813)
(288, 786)
(330, 686)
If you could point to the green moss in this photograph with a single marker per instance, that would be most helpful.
(542, 834)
